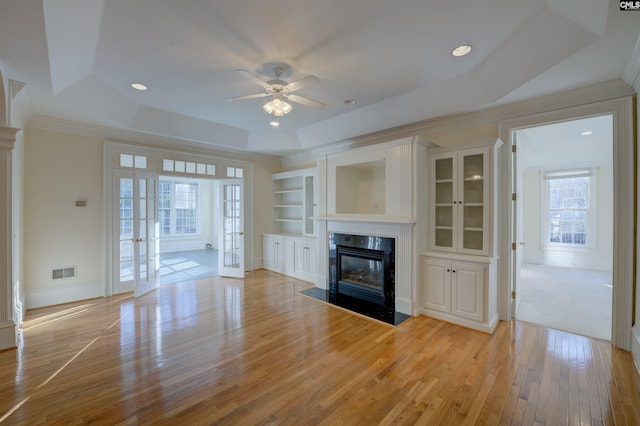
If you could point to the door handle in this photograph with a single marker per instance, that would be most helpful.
(240, 233)
(137, 240)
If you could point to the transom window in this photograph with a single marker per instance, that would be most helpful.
(568, 208)
(131, 161)
(178, 208)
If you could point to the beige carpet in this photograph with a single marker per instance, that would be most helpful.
(574, 300)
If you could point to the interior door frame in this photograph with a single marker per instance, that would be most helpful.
(624, 198)
(111, 149)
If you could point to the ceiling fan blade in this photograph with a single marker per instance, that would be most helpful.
(239, 98)
(254, 78)
(306, 101)
(303, 82)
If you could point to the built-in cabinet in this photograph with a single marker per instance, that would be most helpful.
(289, 255)
(459, 291)
(294, 202)
(459, 272)
(459, 200)
(291, 248)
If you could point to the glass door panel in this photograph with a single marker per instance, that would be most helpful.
(146, 241)
(309, 204)
(231, 260)
(444, 200)
(125, 239)
(472, 214)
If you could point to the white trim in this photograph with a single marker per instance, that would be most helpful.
(635, 346)
(600, 92)
(7, 335)
(631, 73)
(110, 150)
(623, 158)
(140, 140)
(58, 294)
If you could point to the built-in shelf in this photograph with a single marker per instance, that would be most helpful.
(288, 191)
(293, 202)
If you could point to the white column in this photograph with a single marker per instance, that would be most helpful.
(7, 324)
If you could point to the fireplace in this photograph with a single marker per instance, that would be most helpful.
(362, 274)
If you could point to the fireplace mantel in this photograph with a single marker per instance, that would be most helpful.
(368, 218)
(399, 212)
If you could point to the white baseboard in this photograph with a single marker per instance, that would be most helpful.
(403, 305)
(257, 263)
(7, 335)
(635, 345)
(47, 296)
(487, 327)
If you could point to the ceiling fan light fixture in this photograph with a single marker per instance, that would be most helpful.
(274, 124)
(277, 107)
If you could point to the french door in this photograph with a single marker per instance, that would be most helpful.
(231, 225)
(137, 232)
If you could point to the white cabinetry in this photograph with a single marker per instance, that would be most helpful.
(291, 248)
(294, 202)
(288, 255)
(459, 273)
(461, 201)
(458, 291)
(277, 253)
(306, 259)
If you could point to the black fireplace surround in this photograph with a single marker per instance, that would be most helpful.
(362, 275)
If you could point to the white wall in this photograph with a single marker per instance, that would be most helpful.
(60, 169)
(601, 257)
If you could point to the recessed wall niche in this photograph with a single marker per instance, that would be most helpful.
(360, 188)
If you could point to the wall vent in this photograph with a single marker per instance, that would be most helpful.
(61, 273)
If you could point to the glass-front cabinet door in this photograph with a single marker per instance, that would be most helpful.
(471, 203)
(443, 203)
(459, 192)
(309, 207)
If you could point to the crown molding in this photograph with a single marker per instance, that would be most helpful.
(608, 90)
(60, 125)
(632, 71)
(7, 137)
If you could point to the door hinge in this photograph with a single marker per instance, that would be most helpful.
(513, 294)
(513, 196)
(513, 246)
(513, 148)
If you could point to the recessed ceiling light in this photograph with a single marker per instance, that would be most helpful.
(139, 86)
(587, 133)
(350, 102)
(461, 50)
(274, 124)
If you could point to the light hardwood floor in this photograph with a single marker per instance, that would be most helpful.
(223, 351)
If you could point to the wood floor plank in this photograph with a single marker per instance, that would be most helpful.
(255, 351)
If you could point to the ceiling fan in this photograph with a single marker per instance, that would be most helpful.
(281, 91)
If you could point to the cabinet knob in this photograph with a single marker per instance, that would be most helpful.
(453, 271)
(448, 270)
